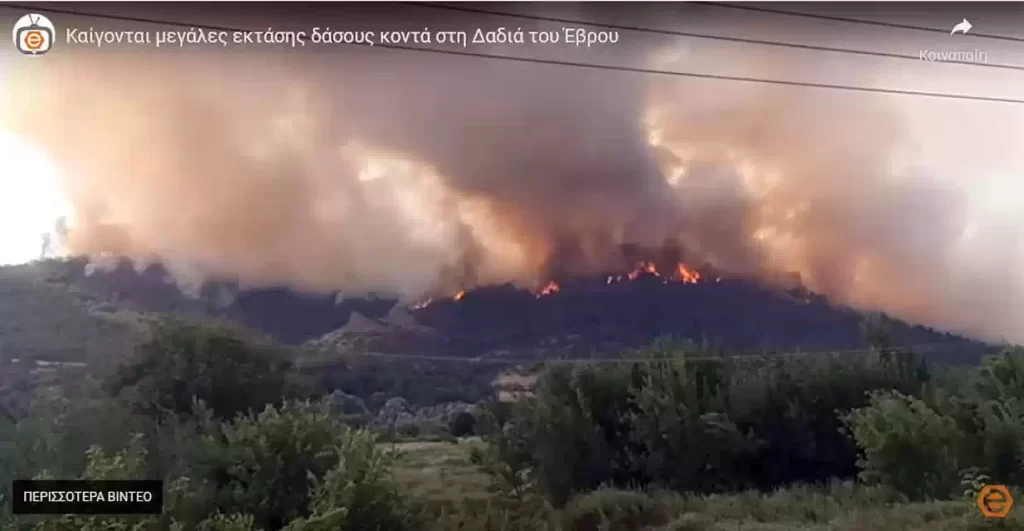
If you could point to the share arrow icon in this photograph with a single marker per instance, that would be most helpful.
(963, 27)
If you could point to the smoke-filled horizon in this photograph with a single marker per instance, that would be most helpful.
(410, 174)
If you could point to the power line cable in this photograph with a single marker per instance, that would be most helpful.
(743, 40)
(912, 27)
(719, 77)
(919, 349)
(555, 62)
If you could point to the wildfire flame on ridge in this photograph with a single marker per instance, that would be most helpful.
(682, 273)
(551, 287)
(687, 275)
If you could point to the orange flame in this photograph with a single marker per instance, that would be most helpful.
(552, 287)
(687, 275)
(682, 273)
(644, 267)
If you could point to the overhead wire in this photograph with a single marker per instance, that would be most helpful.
(576, 64)
(706, 36)
(851, 20)
(481, 360)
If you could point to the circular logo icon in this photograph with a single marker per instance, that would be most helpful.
(995, 501)
(34, 34)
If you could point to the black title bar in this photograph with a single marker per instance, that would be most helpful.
(87, 497)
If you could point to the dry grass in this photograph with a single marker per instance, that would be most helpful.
(440, 471)
(850, 508)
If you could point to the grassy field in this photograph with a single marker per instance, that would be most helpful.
(441, 472)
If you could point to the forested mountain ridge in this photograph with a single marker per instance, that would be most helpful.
(585, 317)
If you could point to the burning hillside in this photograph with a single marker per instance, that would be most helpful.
(378, 171)
(577, 315)
(588, 315)
(674, 273)
(580, 315)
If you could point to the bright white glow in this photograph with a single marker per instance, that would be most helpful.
(1001, 194)
(31, 200)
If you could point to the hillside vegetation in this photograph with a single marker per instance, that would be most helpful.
(677, 438)
(41, 318)
(585, 316)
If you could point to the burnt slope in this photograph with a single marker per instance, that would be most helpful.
(590, 316)
(586, 317)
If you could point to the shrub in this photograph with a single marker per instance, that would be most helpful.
(907, 445)
(222, 522)
(682, 419)
(262, 463)
(680, 434)
(463, 424)
(218, 364)
(359, 492)
(127, 463)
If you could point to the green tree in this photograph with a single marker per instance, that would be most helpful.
(682, 435)
(462, 424)
(127, 463)
(907, 445)
(793, 407)
(359, 493)
(55, 432)
(216, 363)
(988, 407)
(263, 463)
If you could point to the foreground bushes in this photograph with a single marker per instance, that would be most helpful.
(292, 467)
(359, 493)
(626, 446)
(907, 445)
(230, 370)
(928, 446)
(297, 467)
(206, 409)
(678, 420)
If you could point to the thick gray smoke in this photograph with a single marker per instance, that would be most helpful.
(352, 178)
(392, 172)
